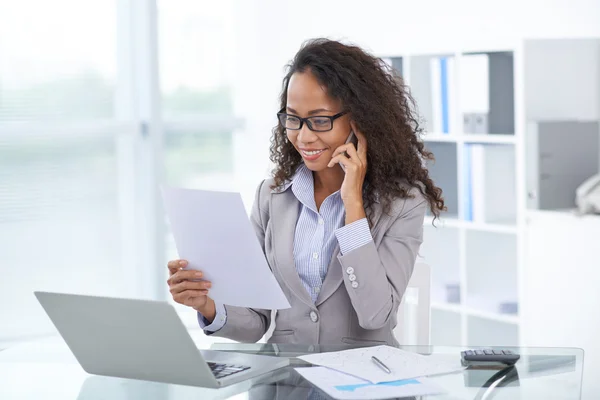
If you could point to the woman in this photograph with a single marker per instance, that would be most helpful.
(341, 220)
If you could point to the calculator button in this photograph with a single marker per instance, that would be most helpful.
(488, 352)
(469, 352)
(498, 352)
(479, 352)
(507, 352)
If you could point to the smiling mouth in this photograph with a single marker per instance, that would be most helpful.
(312, 153)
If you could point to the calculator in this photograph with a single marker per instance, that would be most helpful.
(488, 357)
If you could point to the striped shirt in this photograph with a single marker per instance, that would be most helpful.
(317, 234)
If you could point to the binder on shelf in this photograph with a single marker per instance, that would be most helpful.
(442, 90)
(395, 63)
(478, 180)
(475, 122)
(468, 191)
(474, 185)
(474, 92)
(508, 307)
(453, 293)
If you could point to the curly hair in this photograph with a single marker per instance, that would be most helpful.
(384, 111)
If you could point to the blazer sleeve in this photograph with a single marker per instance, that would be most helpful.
(376, 277)
(249, 324)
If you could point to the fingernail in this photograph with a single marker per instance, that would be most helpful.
(198, 274)
(182, 263)
(208, 285)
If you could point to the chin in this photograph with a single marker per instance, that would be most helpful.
(315, 167)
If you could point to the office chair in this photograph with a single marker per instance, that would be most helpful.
(414, 312)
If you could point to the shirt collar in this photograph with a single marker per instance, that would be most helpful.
(300, 178)
(303, 186)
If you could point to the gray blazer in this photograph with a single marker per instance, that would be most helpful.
(363, 313)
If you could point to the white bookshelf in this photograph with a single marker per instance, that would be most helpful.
(470, 138)
(493, 178)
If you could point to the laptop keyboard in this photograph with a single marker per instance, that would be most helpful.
(225, 370)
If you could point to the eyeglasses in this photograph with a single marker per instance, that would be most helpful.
(318, 123)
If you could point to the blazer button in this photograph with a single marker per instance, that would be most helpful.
(349, 270)
(355, 284)
(352, 277)
(313, 316)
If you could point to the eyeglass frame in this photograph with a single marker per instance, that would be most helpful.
(302, 120)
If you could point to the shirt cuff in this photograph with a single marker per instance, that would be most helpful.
(353, 236)
(218, 322)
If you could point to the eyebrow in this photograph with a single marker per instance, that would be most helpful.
(312, 112)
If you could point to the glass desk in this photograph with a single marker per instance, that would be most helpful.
(47, 370)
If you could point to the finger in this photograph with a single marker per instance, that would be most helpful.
(341, 159)
(362, 142)
(190, 294)
(176, 265)
(189, 285)
(184, 297)
(196, 301)
(345, 148)
(353, 154)
(183, 276)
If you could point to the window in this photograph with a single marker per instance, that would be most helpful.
(196, 83)
(57, 63)
(60, 203)
(78, 211)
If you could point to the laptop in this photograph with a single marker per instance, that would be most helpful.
(146, 340)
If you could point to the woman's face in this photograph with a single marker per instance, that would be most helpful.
(307, 98)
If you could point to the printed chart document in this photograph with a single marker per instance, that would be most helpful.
(214, 234)
(403, 364)
(346, 387)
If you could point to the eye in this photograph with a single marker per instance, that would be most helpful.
(320, 121)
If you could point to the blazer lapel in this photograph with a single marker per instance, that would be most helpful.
(335, 276)
(283, 230)
(333, 279)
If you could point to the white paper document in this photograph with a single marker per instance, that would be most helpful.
(403, 364)
(214, 234)
(345, 387)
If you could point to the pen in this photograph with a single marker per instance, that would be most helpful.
(380, 364)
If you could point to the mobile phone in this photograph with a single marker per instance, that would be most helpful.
(351, 139)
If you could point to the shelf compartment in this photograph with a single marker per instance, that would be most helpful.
(440, 250)
(489, 191)
(445, 328)
(444, 173)
(396, 63)
(486, 93)
(491, 263)
(487, 332)
(556, 169)
(433, 86)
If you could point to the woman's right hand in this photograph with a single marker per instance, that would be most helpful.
(188, 288)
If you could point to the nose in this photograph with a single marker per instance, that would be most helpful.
(305, 135)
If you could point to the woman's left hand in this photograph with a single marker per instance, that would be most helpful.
(354, 160)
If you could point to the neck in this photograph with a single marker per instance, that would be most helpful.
(329, 180)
